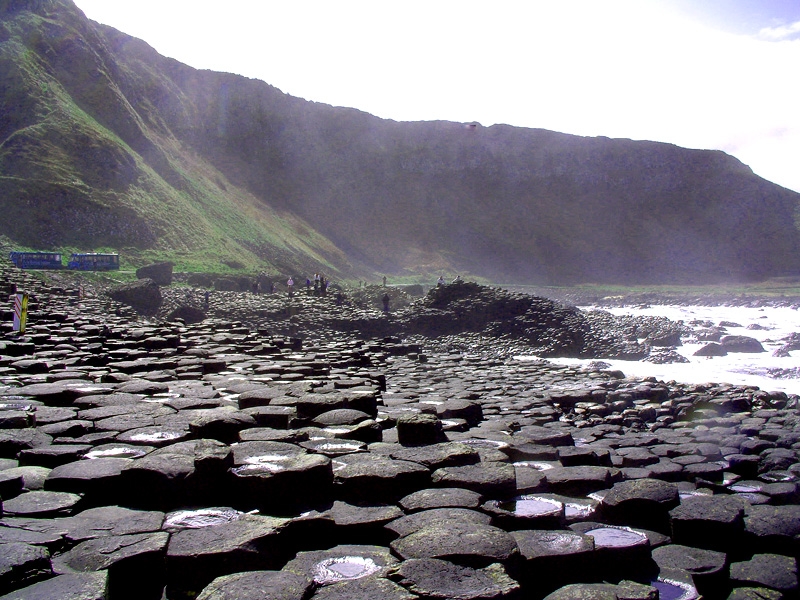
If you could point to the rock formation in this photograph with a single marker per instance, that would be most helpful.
(218, 459)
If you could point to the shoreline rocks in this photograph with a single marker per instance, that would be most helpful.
(222, 455)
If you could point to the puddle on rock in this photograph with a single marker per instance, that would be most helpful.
(746, 488)
(160, 436)
(17, 406)
(576, 511)
(265, 459)
(489, 444)
(195, 519)
(674, 590)
(254, 469)
(778, 477)
(754, 498)
(332, 448)
(532, 464)
(616, 537)
(683, 494)
(121, 452)
(337, 430)
(333, 570)
(598, 495)
(531, 506)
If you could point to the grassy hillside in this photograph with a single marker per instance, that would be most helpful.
(107, 144)
(80, 168)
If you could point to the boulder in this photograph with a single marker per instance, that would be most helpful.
(200, 280)
(161, 273)
(232, 284)
(144, 296)
(711, 349)
(187, 314)
(741, 343)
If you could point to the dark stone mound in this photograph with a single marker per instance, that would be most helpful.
(187, 314)
(741, 343)
(161, 273)
(144, 296)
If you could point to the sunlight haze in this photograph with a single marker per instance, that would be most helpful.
(646, 70)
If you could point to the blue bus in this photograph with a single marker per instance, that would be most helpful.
(93, 261)
(36, 260)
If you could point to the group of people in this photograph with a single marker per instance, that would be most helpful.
(442, 282)
(320, 285)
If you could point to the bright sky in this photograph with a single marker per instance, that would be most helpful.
(718, 74)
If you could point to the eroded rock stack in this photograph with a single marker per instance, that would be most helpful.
(222, 460)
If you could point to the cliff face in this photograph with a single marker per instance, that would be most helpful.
(138, 150)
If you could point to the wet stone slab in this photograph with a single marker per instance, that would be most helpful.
(22, 564)
(80, 586)
(473, 544)
(41, 504)
(256, 585)
(196, 556)
(342, 563)
(126, 558)
(432, 578)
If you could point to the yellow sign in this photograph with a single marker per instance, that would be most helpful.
(20, 312)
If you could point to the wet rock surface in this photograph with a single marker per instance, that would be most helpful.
(326, 451)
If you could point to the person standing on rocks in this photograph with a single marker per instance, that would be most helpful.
(206, 297)
(385, 303)
(290, 286)
(384, 281)
(440, 282)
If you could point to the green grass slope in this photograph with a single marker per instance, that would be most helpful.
(80, 167)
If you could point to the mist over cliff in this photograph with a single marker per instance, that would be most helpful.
(106, 143)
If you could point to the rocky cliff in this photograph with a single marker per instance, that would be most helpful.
(105, 143)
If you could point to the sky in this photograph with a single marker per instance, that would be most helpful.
(710, 74)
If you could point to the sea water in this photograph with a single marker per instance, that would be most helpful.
(767, 372)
